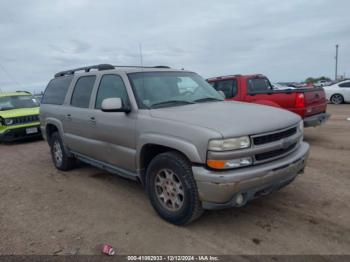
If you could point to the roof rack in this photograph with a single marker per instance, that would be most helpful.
(86, 69)
(160, 66)
(101, 67)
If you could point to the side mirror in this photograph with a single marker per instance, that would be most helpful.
(222, 94)
(114, 105)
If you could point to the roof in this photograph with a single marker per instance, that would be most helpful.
(3, 94)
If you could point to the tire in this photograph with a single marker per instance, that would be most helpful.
(59, 156)
(337, 99)
(172, 189)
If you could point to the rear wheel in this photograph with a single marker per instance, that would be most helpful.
(172, 189)
(59, 156)
(337, 99)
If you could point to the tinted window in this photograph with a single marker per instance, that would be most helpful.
(347, 84)
(258, 85)
(229, 87)
(56, 90)
(82, 91)
(111, 86)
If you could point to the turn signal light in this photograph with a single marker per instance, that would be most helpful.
(217, 164)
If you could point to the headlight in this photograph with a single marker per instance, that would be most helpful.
(229, 144)
(8, 121)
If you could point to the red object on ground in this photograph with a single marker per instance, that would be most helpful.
(108, 250)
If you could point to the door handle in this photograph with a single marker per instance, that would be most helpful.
(93, 120)
(69, 117)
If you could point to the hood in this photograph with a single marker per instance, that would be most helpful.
(19, 112)
(230, 118)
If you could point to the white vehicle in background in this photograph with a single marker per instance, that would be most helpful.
(339, 92)
(322, 83)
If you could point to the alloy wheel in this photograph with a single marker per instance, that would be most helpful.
(169, 190)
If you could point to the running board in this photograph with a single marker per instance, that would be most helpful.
(108, 167)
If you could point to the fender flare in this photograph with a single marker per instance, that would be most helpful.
(185, 147)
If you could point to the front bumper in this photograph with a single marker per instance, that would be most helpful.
(219, 190)
(316, 120)
(19, 133)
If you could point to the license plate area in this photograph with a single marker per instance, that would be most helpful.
(31, 130)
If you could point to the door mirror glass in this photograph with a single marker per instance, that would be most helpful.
(114, 104)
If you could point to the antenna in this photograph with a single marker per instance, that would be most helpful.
(141, 59)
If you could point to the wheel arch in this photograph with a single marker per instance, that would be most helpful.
(53, 125)
(157, 144)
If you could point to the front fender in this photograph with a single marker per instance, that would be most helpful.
(185, 147)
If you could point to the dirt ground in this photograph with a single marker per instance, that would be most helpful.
(44, 211)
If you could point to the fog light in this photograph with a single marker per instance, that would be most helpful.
(227, 164)
(246, 161)
(239, 199)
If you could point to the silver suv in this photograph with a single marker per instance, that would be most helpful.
(172, 131)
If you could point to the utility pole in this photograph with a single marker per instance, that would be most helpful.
(336, 62)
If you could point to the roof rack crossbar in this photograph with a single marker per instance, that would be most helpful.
(86, 69)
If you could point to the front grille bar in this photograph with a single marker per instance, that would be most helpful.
(25, 119)
(264, 139)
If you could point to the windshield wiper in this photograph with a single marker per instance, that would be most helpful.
(171, 102)
(206, 99)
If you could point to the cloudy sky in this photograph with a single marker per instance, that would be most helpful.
(285, 40)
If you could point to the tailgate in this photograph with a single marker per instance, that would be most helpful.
(315, 101)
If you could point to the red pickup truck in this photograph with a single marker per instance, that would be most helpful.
(309, 103)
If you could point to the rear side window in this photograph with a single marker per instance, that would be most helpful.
(111, 86)
(256, 85)
(347, 84)
(82, 91)
(56, 90)
(229, 87)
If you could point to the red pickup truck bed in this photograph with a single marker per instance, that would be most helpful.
(309, 103)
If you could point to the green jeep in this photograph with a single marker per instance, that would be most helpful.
(19, 116)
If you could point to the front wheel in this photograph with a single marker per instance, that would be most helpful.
(337, 99)
(172, 189)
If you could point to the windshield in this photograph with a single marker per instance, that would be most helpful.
(15, 102)
(164, 89)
